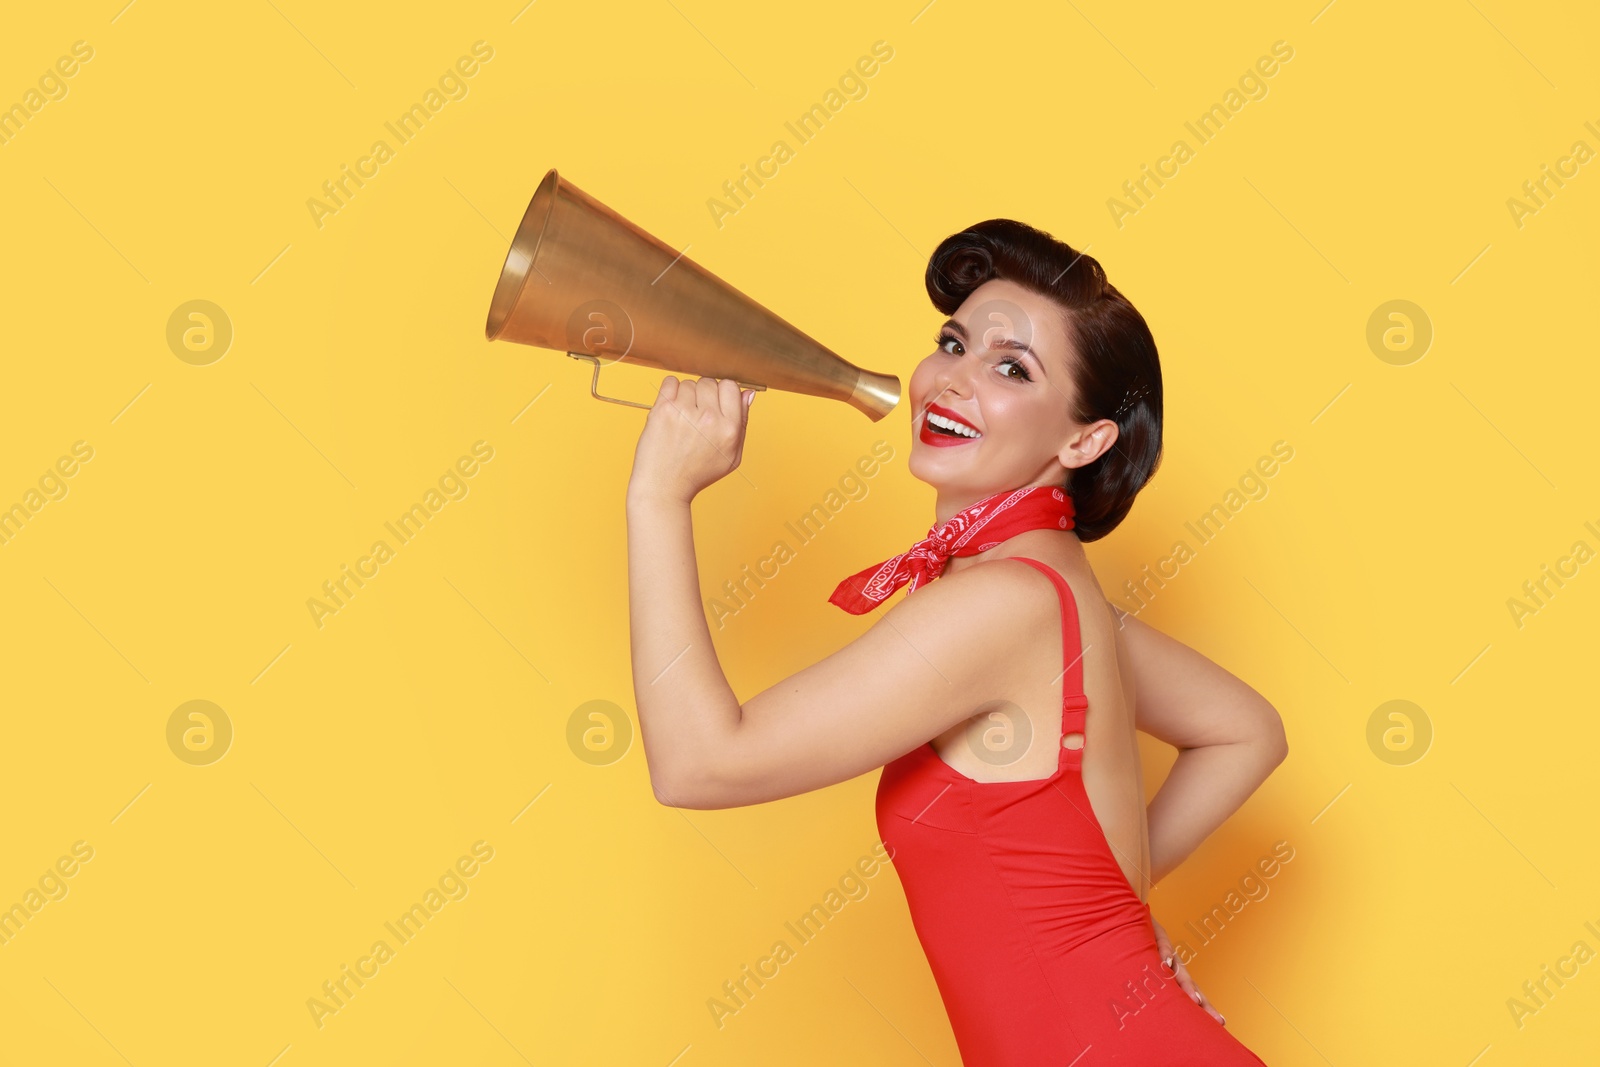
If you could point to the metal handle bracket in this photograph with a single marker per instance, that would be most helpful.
(594, 383)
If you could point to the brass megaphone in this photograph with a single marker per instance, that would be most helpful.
(584, 280)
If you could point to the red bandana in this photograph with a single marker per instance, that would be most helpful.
(975, 529)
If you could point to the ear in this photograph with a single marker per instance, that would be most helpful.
(1088, 444)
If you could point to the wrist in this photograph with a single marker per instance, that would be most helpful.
(646, 495)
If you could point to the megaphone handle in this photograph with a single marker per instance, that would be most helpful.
(594, 382)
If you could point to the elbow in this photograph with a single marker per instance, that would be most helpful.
(702, 791)
(662, 794)
(670, 794)
(1276, 740)
(706, 781)
(681, 792)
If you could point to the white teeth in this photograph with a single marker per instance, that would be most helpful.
(950, 424)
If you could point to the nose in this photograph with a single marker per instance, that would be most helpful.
(954, 378)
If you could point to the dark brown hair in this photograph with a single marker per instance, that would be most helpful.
(1115, 369)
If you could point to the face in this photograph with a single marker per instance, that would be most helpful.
(1002, 367)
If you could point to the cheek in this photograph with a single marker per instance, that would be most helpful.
(1013, 421)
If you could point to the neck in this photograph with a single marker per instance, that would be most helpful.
(947, 504)
(1025, 543)
(1028, 543)
(947, 507)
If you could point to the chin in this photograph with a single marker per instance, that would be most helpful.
(918, 468)
(928, 470)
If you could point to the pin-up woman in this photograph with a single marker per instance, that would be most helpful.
(1001, 694)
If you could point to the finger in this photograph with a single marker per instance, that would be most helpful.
(728, 399)
(1164, 946)
(706, 394)
(1186, 983)
(723, 400)
(669, 389)
(1213, 1012)
(688, 398)
(1163, 943)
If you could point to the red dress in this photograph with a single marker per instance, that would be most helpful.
(1042, 951)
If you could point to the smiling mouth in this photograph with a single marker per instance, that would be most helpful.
(942, 431)
(941, 424)
(944, 428)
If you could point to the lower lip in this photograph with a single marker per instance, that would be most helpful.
(942, 440)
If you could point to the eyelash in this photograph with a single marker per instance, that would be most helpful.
(1012, 361)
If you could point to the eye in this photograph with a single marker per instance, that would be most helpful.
(947, 338)
(1022, 371)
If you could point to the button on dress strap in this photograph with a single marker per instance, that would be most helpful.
(1073, 711)
(1074, 702)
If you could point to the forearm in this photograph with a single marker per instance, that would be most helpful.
(686, 708)
(1205, 786)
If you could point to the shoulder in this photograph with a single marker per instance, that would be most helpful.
(995, 594)
(1094, 611)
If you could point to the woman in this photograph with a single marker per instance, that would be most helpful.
(1011, 799)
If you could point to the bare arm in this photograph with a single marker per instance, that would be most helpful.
(913, 675)
(1229, 739)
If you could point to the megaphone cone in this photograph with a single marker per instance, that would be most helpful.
(582, 279)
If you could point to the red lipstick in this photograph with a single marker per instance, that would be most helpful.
(939, 439)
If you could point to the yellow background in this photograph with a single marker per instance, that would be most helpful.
(432, 710)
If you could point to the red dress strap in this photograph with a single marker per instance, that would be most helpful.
(1074, 702)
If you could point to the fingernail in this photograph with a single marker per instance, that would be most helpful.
(1196, 997)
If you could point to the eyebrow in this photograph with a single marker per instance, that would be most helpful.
(1010, 342)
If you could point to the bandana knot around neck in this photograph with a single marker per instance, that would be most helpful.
(974, 529)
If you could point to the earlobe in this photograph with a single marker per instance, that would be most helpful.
(1071, 456)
